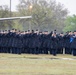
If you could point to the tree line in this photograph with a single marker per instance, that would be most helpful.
(47, 15)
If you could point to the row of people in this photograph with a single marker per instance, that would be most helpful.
(35, 42)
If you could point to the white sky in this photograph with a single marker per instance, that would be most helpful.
(69, 4)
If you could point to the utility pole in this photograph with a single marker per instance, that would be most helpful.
(10, 14)
(10, 8)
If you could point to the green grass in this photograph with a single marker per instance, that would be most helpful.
(26, 64)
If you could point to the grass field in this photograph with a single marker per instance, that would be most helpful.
(26, 64)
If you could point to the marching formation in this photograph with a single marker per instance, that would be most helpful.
(35, 42)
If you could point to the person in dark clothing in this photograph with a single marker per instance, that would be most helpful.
(73, 43)
(67, 43)
(60, 43)
(54, 42)
(36, 42)
(45, 42)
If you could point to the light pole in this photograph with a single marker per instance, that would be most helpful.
(30, 7)
(10, 14)
(10, 8)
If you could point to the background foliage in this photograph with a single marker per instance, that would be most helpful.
(47, 15)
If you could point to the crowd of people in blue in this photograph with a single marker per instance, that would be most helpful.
(35, 42)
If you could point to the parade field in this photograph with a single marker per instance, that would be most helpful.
(28, 64)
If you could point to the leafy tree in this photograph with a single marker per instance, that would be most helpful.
(46, 15)
(70, 23)
(4, 12)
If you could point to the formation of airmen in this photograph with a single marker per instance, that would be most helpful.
(35, 42)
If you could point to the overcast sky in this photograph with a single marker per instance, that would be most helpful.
(69, 4)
